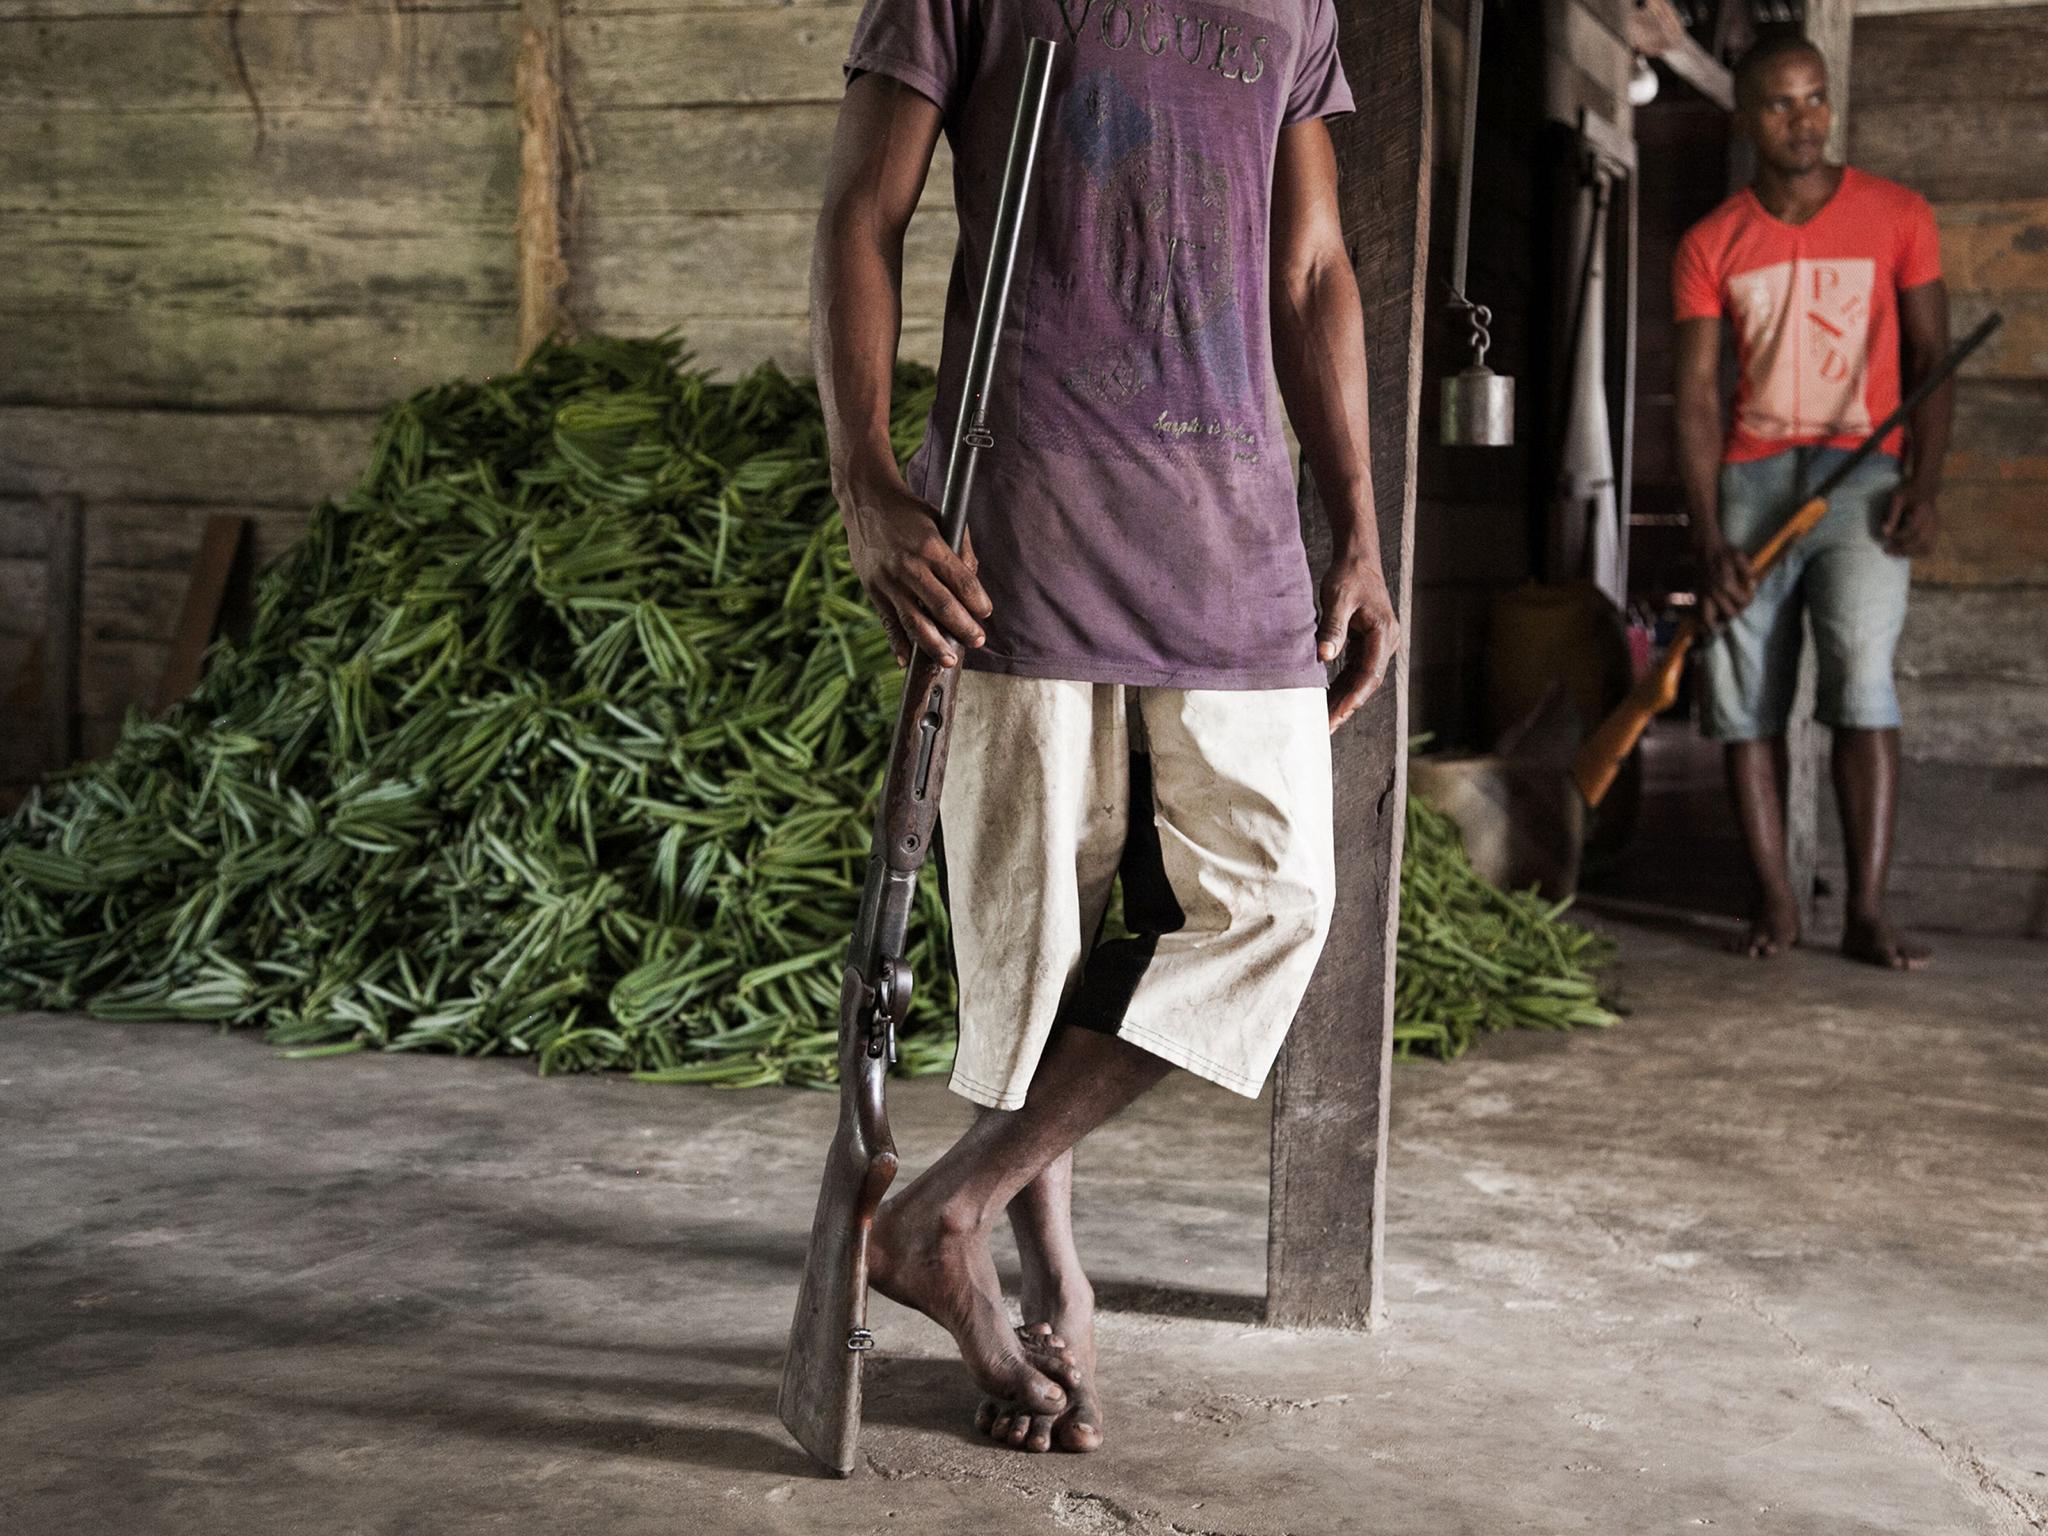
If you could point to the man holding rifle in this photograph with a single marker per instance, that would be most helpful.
(1831, 279)
(1144, 689)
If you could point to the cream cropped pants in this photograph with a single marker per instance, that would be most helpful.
(1215, 807)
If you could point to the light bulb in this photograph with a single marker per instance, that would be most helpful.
(1642, 83)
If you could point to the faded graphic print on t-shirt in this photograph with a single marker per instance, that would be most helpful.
(1155, 268)
(1815, 307)
(1165, 287)
(1805, 326)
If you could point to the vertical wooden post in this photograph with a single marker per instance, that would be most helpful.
(1827, 26)
(543, 269)
(1324, 1238)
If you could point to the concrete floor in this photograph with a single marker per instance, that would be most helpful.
(1769, 1257)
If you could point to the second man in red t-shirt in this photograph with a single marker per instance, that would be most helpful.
(1831, 281)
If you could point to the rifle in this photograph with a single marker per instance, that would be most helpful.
(820, 1396)
(1601, 755)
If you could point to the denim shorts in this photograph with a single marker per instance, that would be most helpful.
(1838, 575)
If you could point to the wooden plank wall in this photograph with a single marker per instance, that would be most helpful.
(709, 122)
(1955, 105)
(228, 244)
(223, 245)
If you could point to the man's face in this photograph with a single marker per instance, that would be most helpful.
(1787, 115)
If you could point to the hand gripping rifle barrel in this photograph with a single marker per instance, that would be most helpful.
(820, 1397)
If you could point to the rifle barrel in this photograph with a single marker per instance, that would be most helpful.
(1911, 403)
(970, 430)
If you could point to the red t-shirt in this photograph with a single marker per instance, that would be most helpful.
(1815, 308)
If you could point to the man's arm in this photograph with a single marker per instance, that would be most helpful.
(1726, 583)
(1910, 524)
(1319, 361)
(881, 152)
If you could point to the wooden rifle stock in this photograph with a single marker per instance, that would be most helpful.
(1601, 755)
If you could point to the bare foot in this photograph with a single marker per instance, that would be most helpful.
(1874, 940)
(1774, 929)
(1080, 1427)
(925, 1262)
(1059, 1312)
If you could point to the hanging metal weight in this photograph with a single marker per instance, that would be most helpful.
(1478, 405)
(1478, 408)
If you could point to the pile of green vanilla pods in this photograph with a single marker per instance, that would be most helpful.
(560, 735)
(1473, 957)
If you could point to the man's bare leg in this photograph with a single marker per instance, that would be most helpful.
(929, 1248)
(1756, 782)
(1059, 1303)
(1866, 769)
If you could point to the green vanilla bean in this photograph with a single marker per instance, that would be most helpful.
(1474, 958)
(557, 736)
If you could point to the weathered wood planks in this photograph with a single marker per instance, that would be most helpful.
(213, 295)
(1981, 149)
(1992, 632)
(1963, 55)
(386, 57)
(251, 258)
(743, 266)
(439, 162)
(1971, 853)
(1999, 247)
(1955, 105)
(1326, 1226)
(700, 205)
(145, 356)
(761, 55)
(108, 454)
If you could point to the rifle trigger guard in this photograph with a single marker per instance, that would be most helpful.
(892, 1003)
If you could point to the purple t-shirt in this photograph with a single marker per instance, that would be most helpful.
(1135, 519)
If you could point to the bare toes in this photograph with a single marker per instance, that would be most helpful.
(1040, 1437)
(1055, 1363)
(985, 1416)
(1048, 1389)
(1031, 1380)
(1880, 944)
(1076, 1434)
(1757, 944)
